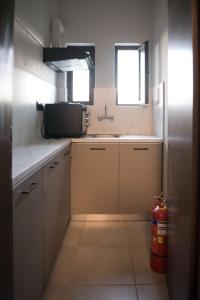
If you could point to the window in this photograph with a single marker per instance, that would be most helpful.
(132, 74)
(80, 83)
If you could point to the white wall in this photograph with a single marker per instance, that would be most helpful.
(159, 60)
(36, 14)
(103, 23)
(33, 80)
(106, 23)
(160, 74)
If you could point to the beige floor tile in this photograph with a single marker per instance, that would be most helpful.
(104, 234)
(138, 232)
(78, 217)
(153, 292)
(104, 217)
(93, 265)
(111, 217)
(63, 266)
(135, 217)
(73, 233)
(127, 292)
(141, 266)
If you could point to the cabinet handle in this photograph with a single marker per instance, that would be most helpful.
(67, 153)
(54, 165)
(32, 186)
(103, 149)
(141, 149)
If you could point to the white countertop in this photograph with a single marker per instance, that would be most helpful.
(28, 158)
(120, 139)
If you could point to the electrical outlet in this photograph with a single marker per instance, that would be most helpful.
(39, 106)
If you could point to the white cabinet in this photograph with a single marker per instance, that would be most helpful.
(55, 206)
(27, 233)
(94, 178)
(41, 211)
(66, 185)
(115, 178)
(140, 177)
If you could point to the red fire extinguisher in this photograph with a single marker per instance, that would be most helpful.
(159, 236)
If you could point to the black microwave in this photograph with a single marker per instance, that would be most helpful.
(64, 120)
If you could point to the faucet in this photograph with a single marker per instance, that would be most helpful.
(105, 116)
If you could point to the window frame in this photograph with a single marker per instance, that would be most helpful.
(90, 49)
(140, 47)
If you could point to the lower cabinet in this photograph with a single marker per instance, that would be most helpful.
(140, 177)
(94, 178)
(41, 211)
(27, 229)
(55, 207)
(115, 178)
(52, 211)
(67, 185)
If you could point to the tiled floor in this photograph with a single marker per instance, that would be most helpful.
(106, 260)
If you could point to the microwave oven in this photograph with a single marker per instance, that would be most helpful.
(64, 120)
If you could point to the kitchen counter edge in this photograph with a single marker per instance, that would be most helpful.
(27, 159)
(120, 139)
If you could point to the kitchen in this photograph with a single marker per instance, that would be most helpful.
(101, 187)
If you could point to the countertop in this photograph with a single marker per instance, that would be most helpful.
(27, 159)
(120, 139)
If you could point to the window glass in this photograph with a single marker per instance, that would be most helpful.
(81, 82)
(132, 74)
(81, 86)
(128, 76)
(142, 76)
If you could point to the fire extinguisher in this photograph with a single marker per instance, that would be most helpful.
(159, 236)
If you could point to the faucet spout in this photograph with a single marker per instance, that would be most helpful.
(105, 110)
(105, 116)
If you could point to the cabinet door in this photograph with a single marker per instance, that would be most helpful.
(140, 177)
(52, 211)
(67, 193)
(64, 215)
(94, 186)
(27, 228)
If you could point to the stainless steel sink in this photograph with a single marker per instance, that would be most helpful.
(103, 135)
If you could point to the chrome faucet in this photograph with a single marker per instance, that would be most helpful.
(105, 116)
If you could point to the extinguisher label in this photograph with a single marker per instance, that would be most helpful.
(162, 227)
(154, 246)
(160, 240)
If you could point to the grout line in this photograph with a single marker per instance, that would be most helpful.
(137, 292)
(126, 228)
(129, 247)
(98, 246)
(81, 231)
(100, 284)
(134, 274)
(131, 258)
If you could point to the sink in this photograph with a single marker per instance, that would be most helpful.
(103, 135)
